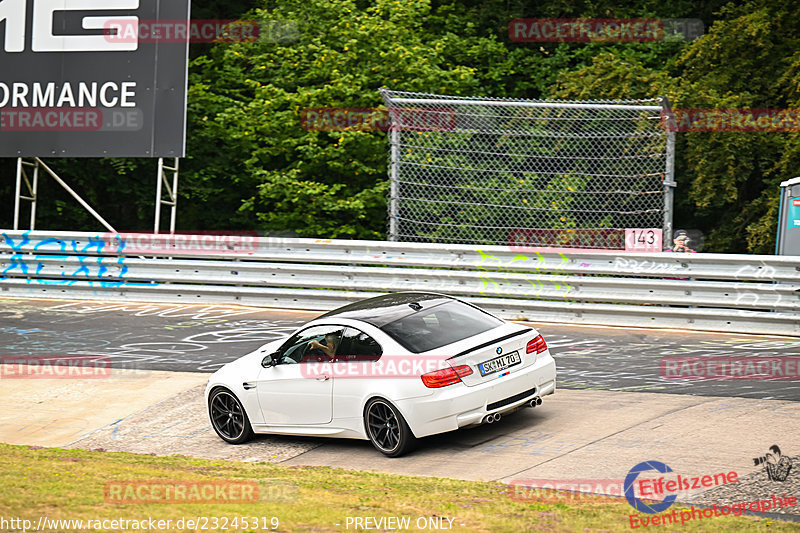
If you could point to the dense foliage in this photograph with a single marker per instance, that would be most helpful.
(251, 165)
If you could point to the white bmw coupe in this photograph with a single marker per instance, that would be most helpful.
(389, 369)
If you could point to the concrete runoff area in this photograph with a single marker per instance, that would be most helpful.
(590, 434)
(55, 411)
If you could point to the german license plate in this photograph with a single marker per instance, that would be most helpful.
(499, 363)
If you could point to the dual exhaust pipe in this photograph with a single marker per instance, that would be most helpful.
(495, 417)
(488, 419)
(534, 402)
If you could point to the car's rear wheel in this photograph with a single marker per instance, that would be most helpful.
(228, 417)
(387, 429)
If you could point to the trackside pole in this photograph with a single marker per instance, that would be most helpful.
(172, 194)
(669, 176)
(159, 178)
(17, 190)
(32, 188)
(393, 185)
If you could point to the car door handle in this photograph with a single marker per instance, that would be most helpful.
(247, 385)
(323, 377)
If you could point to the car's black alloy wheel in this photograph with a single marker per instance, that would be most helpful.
(228, 417)
(387, 429)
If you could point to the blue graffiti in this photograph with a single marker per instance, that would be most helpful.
(92, 270)
(16, 260)
(10, 242)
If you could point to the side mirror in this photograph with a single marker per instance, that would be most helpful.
(269, 361)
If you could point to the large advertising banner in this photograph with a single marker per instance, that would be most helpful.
(78, 80)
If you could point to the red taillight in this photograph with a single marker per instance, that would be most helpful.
(445, 376)
(536, 345)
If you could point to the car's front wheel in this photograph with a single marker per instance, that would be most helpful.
(387, 429)
(228, 417)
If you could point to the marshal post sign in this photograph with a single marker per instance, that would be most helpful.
(71, 87)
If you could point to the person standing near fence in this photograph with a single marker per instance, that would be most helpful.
(680, 242)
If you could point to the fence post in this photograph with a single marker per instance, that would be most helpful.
(393, 188)
(669, 177)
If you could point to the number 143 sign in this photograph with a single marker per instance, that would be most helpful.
(643, 240)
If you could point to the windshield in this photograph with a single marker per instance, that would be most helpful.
(439, 326)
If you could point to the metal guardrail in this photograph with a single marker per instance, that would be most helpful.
(735, 293)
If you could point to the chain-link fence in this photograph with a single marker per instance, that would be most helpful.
(556, 173)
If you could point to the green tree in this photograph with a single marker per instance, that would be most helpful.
(317, 183)
(727, 181)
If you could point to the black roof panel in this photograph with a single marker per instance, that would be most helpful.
(382, 310)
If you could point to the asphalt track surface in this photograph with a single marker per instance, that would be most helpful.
(201, 338)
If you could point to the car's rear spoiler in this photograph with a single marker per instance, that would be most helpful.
(493, 341)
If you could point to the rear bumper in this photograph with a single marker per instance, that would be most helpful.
(458, 406)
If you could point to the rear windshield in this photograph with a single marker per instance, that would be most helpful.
(439, 326)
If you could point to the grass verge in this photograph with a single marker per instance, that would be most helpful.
(88, 485)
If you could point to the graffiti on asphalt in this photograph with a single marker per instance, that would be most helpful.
(170, 337)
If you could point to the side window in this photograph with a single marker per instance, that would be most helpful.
(317, 343)
(358, 346)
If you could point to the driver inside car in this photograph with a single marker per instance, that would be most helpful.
(329, 348)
